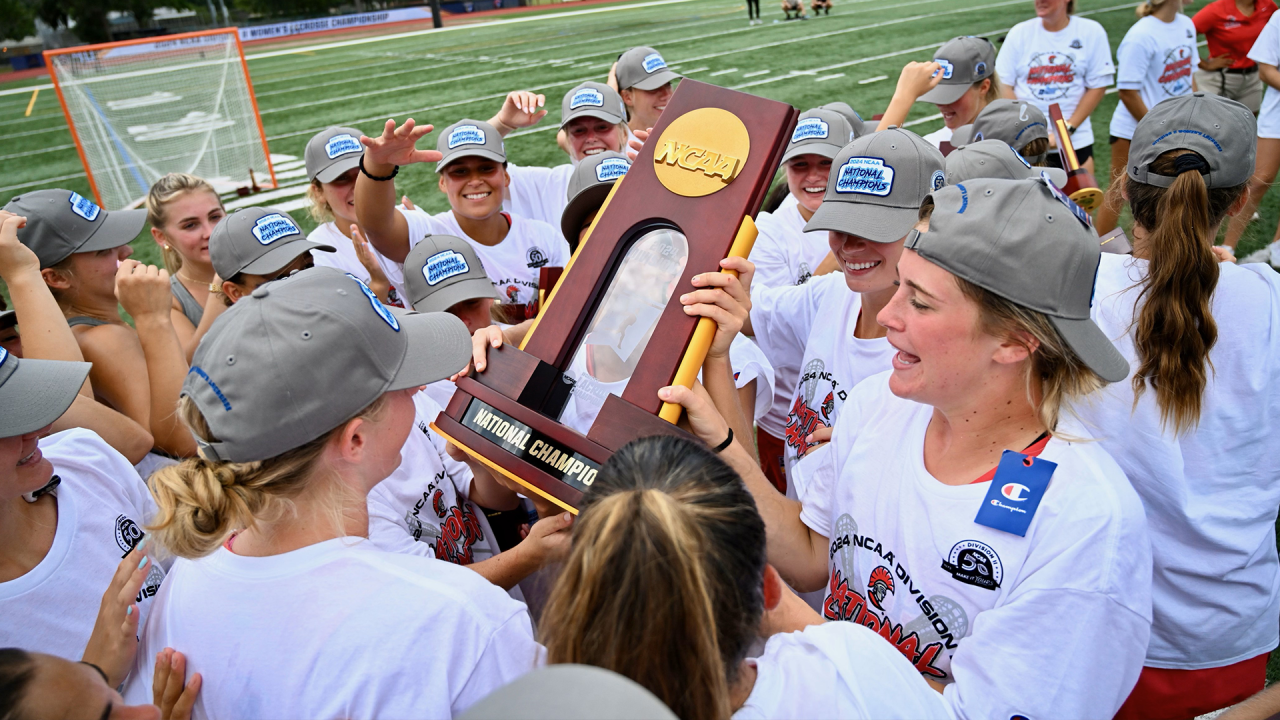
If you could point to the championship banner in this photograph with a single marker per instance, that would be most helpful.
(337, 22)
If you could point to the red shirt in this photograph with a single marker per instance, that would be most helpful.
(1231, 32)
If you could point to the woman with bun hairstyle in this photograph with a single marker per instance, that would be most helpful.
(333, 164)
(1193, 426)
(183, 210)
(276, 595)
(1156, 59)
(83, 252)
(1057, 57)
(667, 584)
(955, 509)
(961, 79)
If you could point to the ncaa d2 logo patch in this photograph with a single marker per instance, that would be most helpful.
(536, 257)
(342, 145)
(586, 97)
(974, 563)
(127, 534)
(938, 180)
(811, 129)
(653, 63)
(865, 176)
(84, 207)
(465, 135)
(270, 228)
(611, 169)
(378, 307)
(444, 265)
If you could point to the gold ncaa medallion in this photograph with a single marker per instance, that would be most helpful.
(701, 152)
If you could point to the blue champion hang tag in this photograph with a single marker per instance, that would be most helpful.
(378, 307)
(865, 176)
(444, 265)
(1015, 493)
(1075, 209)
(947, 68)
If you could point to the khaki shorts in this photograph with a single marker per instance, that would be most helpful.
(1245, 89)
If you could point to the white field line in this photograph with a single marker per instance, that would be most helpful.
(695, 70)
(56, 148)
(828, 77)
(726, 71)
(757, 72)
(870, 80)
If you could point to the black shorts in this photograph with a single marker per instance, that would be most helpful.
(1082, 155)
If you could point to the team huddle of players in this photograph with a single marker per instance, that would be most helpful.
(958, 458)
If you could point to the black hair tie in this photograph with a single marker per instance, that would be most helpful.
(1190, 161)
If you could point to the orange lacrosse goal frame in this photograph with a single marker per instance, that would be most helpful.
(71, 126)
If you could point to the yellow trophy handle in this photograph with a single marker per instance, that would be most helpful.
(700, 343)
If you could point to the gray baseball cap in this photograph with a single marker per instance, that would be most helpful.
(965, 60)
(34, 393)
(1221, 131)
(819, 132)
(442, 271)
(593, 99)
(333, 152)
(1028, 243)
(466, 138)
(643, 68)
(848, 113)
(1016, 122)
(61, 223)
(995, 159)
(876, 185)
(257, 241)
(257, 376)
(570, 692)
(589, 185)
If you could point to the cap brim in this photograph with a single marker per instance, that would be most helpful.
(478, 152)
(1092, 346)
(945, 94)
(8, 319)
(37, 393)
(579, 208)
(876, 223)
(826, 150)
(461, 291)
(962, 136)
(439, 346)
(593, 112)
(653, 82)
(120, 227)
(1057, 176)
(279, 257)
(341, 165)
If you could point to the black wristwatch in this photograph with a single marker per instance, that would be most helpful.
(1071, 129)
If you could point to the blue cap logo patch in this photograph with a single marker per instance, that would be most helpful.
(341, 145)
(938, 180)
(378, 307)
(586, 97)
(653, 63)
(611, 169)
(811, 129)
(466, 135)
(84, 207)
(947, 68)
(980, 69)
(270, 228)
(444, 265)
(865, 176)
(4, 355)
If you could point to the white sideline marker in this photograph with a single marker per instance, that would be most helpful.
(877, 78)
(757, 73)
(697, 69)
(825, 78)
(724, 72)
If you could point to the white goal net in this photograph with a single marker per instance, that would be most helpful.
(180, 103)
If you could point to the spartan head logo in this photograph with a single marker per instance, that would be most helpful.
(828, 406)
(513, 294)
(879, 586)
(437, 504)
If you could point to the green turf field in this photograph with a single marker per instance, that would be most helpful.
(440, 77)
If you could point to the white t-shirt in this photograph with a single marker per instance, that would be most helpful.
(422, 507)
(837, 670)
(1053, 624)
(344, 258)
(1212, 494)
(1266, 49)
(808, 330)
(102, 507)
(939, 136)
(337, 629)
(1157, 59)
(1057, 67)
(512, 265)
(784, 254)
(538, 193)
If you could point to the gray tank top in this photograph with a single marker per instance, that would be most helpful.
(190, 307)
(85, 320)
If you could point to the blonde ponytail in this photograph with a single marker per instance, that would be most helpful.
(201, 502)
(162, 193)
(664, 581)
(1147, 7)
